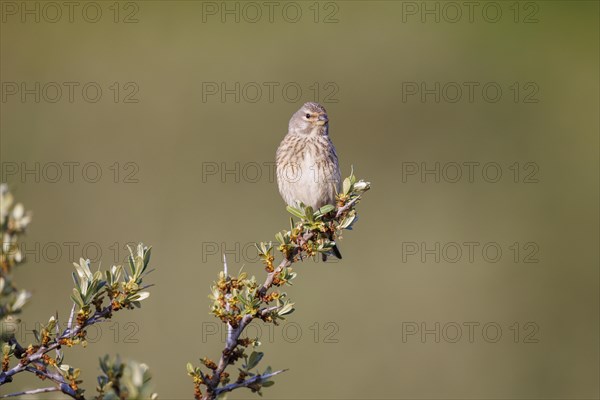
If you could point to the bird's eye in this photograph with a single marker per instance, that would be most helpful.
(307, 116)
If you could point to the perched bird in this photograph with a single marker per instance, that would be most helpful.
(306, 161)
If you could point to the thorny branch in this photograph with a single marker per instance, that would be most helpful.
(36, 353)
(240, 300)
(33, 391)
(122, 288)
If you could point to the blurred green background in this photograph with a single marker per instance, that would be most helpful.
(345, 340)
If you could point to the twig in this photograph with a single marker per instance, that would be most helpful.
(6, 376)
(58, 354)
(292, 254)
(33, 391)
(234, 334)
(286, 262)
(63, 386)
(247, 382)
(346, 206)
(45, 374)
(70, 323)
(269, 281)
(229, 327)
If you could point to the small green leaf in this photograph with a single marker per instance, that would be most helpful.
(139, 296)
(76, 297)
(347, 186)
(295, 212)
(287, 308)
(190, 368)
(131, 261)
(279, 238)
(254, 359)
(147, 257)
(327, 208)
(309, 213)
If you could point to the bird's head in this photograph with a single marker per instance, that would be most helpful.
(310, 119)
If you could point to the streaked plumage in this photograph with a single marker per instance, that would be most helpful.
(307, 163)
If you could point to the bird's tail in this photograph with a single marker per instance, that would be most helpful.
(336, 252)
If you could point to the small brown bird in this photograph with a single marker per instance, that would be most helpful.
(307, 164)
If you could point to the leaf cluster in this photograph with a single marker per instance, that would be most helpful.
(13, 223)
(316, 231)
(96, 296)
(122, 286)
(122, 380)
(237, 300)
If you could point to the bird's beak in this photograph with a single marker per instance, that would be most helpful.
(322, 119)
